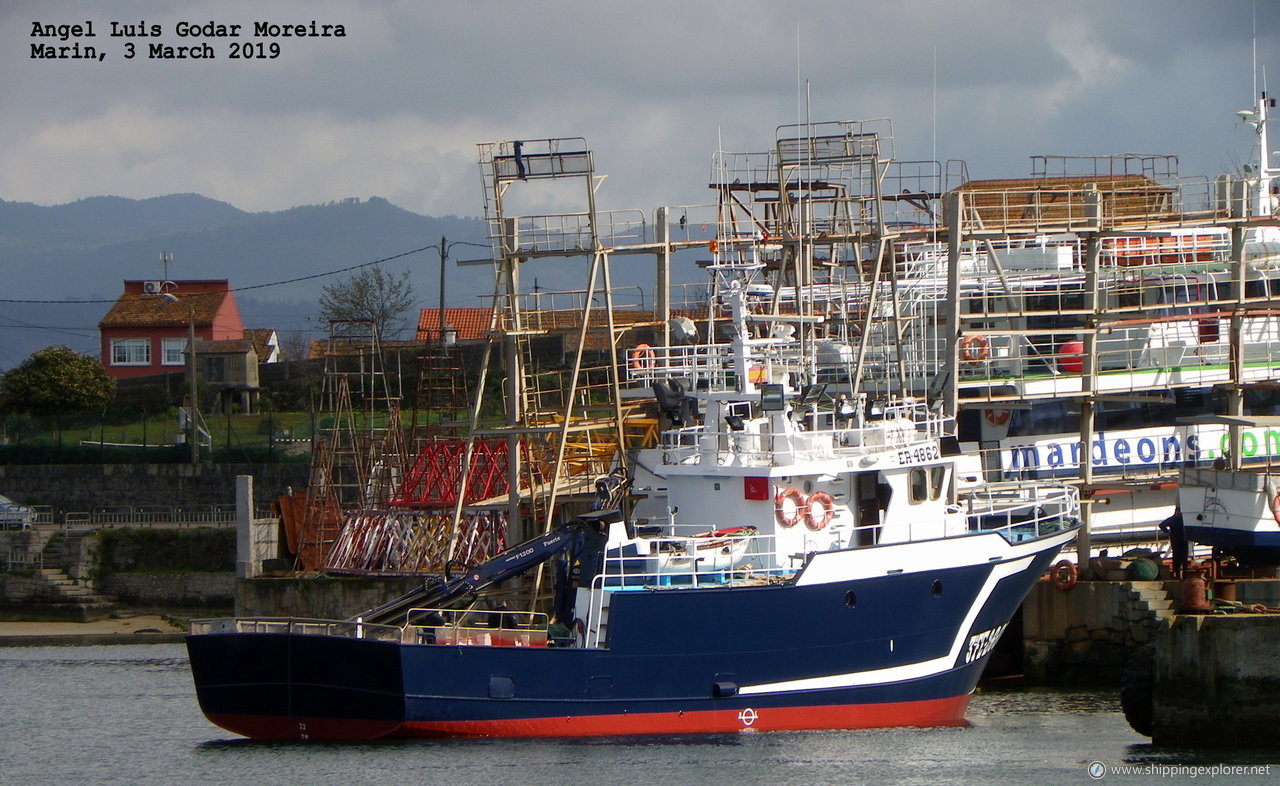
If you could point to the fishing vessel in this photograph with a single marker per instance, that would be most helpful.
(877, 611)
(798, 551)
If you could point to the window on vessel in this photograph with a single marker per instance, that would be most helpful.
(919, 485)
(937, 476)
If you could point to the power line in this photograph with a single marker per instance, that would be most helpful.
(263, 286)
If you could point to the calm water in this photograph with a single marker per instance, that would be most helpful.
(128, 714)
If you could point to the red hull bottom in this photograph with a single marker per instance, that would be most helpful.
(929, 713)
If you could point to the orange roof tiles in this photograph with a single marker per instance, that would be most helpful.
(135, 309)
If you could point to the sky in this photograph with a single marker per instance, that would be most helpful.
(396, 107)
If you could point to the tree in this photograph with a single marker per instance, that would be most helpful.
(372, 294)
(55, 380)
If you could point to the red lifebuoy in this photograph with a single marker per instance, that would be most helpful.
(996, 417)
(788, 518)
(1064, 574)
(642, 357)
(974, 348)
(825, 507)
(1275, 507)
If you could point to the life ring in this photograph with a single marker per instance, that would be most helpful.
(824, 504)
(996, 417)
(788, 518)
(1275, 507)
(642, 357)
(974, 348)
(1064, 574)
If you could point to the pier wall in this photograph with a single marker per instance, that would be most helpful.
(171, 590)
(1217, 681)
(1084, 635)
(88, 487)
(318, 597)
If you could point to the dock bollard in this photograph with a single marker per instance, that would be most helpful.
(1195, 593)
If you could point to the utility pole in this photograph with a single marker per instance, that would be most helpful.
(193, 430)
(444, 254)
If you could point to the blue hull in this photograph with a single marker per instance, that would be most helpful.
(893, 650)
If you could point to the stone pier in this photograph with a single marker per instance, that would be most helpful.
(1217, 681)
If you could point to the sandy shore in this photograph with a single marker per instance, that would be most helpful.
(126, 630)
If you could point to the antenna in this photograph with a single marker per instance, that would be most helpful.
(165, 259)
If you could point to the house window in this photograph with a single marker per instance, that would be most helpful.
(173, 351)
(131, 352)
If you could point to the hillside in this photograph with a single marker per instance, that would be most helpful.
(84, 250)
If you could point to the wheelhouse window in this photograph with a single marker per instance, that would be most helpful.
(937, 476)
(173, 351)
(131, 352)
(919, 485)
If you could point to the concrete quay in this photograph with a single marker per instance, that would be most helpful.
(1216, 681)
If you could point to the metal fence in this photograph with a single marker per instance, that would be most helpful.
(155, 517)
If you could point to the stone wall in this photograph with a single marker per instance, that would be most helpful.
(1084, 635)
(319, 597)
(86, 487)
(1217, 681)
(172, 590)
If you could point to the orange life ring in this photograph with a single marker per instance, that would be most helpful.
(996, 417)
(825, 504)
(1275, 507)
(642, 357)
(974, 348)
(1064, 574)
(788, 518)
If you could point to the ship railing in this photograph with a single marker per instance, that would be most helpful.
(824, 435)
(476, 628)
(343, 629)
(711, 559)
(1153, 350)
(1021, 511)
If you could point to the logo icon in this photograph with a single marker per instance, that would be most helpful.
(1096, 770)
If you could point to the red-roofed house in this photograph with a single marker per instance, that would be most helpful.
(145, 334)
(461, 325)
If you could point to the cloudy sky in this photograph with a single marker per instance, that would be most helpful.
(395, 108)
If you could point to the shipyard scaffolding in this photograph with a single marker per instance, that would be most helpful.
(1109, 288)
(1126, 299)
(564, 421)
(358, 453)
(821, 218)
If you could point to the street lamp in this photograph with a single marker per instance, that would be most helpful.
(193, 431)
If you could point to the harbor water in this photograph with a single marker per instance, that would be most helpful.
(128, 714)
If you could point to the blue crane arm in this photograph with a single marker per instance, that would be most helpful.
(512, 562)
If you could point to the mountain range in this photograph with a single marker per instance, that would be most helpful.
(77, 255)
